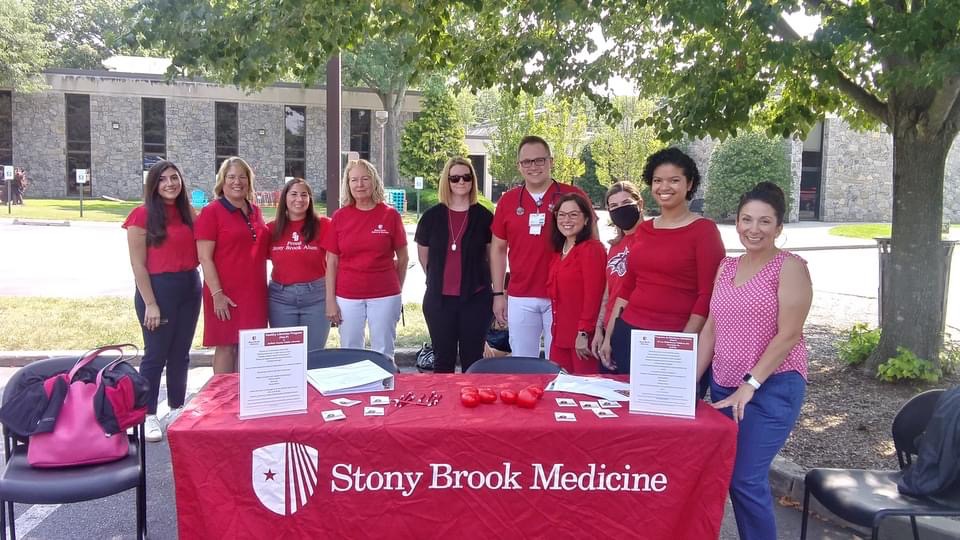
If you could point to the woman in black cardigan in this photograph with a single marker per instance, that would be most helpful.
(453, 245)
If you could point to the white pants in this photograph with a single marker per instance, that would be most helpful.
(381, 313)
(528, 319)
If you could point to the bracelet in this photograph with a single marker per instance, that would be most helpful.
(216, 292)
(498, 293)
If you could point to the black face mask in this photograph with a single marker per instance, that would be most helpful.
(626, 216)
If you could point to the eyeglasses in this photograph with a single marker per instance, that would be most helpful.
(457, 178)
(539, 162)
(569, 215)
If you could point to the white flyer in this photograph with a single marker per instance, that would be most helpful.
(663, 373)
(273, 370)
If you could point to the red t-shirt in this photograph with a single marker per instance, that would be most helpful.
(670, 274)
(178, 253)
(293, 260)
(452, 269)
(616, 270)
(365, 242)
(575, 285)
(528, 255)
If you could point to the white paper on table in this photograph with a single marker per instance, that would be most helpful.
(362, 376)
(663, 373)
(273, 365)
(600, 387)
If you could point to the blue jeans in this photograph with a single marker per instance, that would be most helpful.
(178, 297)
(767, 421)
(301, 304)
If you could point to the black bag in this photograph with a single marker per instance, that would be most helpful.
(425, 358)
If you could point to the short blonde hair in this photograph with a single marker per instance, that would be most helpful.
(222, 176)
(346, 198)
(443, 190)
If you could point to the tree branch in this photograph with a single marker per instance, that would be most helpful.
(944, 104)
(869, 102)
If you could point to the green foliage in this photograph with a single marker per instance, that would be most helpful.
(906, 366)
(860, 343)
(588, 181)
(620, 150)
(24, 52)
(562, 123)
(738, 164)
(950, 358)
(435, 136)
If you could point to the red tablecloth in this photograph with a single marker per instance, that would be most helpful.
(635, 476)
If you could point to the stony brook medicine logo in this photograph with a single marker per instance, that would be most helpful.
(379, 229)
(285, 476)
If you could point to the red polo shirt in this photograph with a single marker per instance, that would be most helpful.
(178, 253)
(365, 242)
(528, 255)
(295, 261)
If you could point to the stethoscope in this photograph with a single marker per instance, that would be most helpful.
(538, 204)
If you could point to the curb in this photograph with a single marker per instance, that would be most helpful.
(786, 477)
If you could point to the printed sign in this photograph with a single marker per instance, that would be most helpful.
(8, 172)
(417, 182)
(82, 177)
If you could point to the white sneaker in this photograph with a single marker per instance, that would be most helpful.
(152, 430)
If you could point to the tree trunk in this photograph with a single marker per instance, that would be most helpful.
(392, 103)
(912, 303)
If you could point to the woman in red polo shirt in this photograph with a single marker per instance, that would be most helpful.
(167, 300)
(297, 290)
(366, 261)
(575, 284)
(672, 262)
(230, 242)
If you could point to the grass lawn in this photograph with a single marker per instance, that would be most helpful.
(33, 323)
(868, 231)
(69, 210)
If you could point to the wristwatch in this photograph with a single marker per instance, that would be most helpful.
(752, 381)
(582, 333)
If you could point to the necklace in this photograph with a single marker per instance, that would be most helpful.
(565, 249)
(456, 237)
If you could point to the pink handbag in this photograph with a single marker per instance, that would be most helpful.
(77, 438)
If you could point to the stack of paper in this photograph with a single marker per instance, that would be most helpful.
(363, 376)
(592, 386)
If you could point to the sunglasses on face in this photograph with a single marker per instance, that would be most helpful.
(457, 178)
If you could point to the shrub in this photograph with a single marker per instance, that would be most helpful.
(738, 164)
(907, 366)
(860, 343)
(950, 358)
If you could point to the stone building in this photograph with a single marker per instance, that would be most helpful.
(117, 124)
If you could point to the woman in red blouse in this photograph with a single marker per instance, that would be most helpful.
(366, 261)
(230, 237)
(575, 284)
(167, 300)
(672, 262)
(297, 290)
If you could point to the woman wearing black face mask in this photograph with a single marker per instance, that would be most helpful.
(626, 212)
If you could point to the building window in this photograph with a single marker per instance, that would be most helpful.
(6, 128)
(228, 132)
(78, 142)
(154, 131)
(295, 141)
(360, 132)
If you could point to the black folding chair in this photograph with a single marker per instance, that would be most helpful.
(866, 497)
(323, 358)
(514, 364)
(21, 483)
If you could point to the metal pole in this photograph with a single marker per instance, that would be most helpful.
(382, 126)
(9, 198)
(81, 200)
(333, 134)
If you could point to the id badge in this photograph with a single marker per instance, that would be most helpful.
(538, 220)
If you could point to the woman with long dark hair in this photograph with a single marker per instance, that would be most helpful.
(575, 284)
(453, 246)
(297, 291)
(163, 255)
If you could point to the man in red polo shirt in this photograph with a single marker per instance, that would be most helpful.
(521, 235)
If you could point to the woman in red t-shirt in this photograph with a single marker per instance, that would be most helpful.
(625, 204)
(366, 261)
(575, 284)
(167, 299)
(231, 240)
(672, 262)
(297, 290)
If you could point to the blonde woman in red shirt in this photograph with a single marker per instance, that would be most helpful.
(297, 290)
(366, 261)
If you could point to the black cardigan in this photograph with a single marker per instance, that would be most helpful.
(433, 232)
